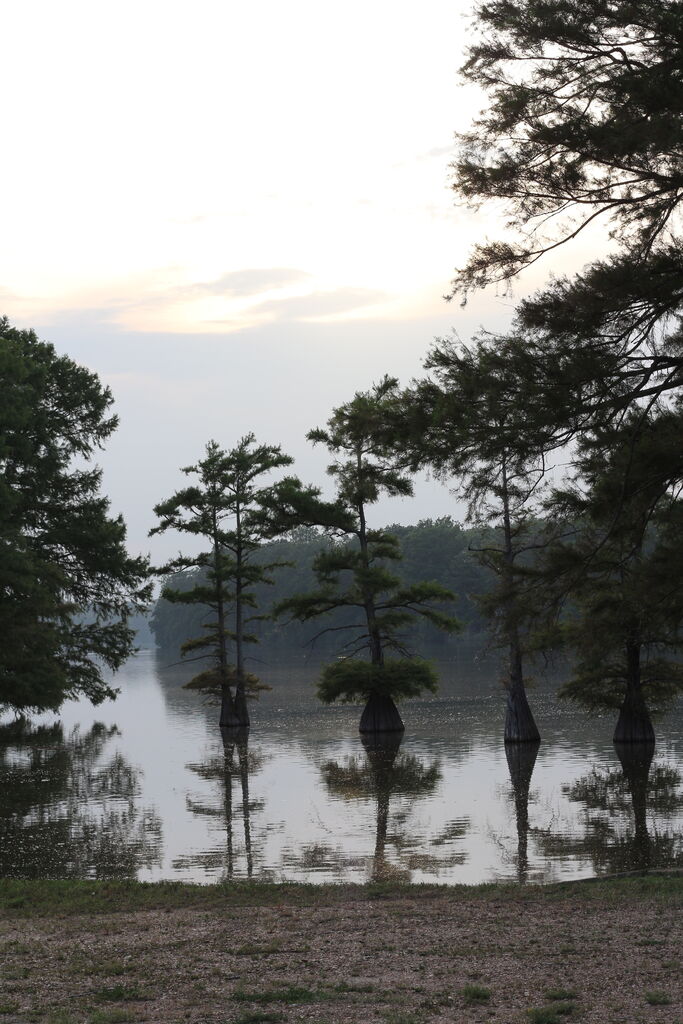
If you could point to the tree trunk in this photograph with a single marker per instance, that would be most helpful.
(521, 759)
(241, 709)
(634, 724)
(520, 726)
(228, 717)
(374, 637)
(380, 715)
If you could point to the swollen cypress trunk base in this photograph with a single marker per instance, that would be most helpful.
(381, 715)
(520, 726)
(634, 724)
(241, 710)
(228, 717)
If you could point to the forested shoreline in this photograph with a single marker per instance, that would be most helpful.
(439, 550)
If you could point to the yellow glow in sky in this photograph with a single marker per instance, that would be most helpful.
(155, 148)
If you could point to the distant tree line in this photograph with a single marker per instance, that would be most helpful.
(439, 550)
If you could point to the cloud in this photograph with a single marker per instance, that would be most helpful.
(437, 151)
(243, 283)
(322, 304)
(240, 300)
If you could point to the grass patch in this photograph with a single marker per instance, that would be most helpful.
(292, 994)
(60, 1017)
(37, 897)
(257, 1017)
(8, 1008)
(657, 998)
(562, 994)
(551, 1014)
(118, 994)
(116, 1016)
(399, 1017)
(112, 968)
(475, 995)
(344, 987)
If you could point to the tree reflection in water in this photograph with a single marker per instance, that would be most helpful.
(628, 815)
(379, 776)
(236, 762)
(521, 759)
(65, 812)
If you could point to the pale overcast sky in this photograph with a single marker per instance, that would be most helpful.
(237, 214)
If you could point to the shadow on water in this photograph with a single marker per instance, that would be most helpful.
(631, 818)
(66, 811)
(230, 769)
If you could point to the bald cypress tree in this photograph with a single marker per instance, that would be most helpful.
(463, 424)
(620, 565)
(354, 574)
(226, 508)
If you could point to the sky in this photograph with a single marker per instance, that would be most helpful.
(238, 215)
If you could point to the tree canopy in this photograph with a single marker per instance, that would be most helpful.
(226, 507)
(462, 424)
(582, 127)
(619, 557)
(356, 575)
(582, 122)
(68, 584)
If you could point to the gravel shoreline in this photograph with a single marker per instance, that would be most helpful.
(402, 957)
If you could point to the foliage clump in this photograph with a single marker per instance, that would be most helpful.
(351, 681)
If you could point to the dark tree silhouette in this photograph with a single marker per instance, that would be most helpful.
(226, 508)
(353, 573)
(68, 586)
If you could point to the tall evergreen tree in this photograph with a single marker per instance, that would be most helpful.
(67, 584)
(225, 507)
(353, 572)
(462, 424)
(583, 127)
(620, 563)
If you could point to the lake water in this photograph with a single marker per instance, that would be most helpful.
(147, 787)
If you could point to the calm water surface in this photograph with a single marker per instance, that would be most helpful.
(147, 787)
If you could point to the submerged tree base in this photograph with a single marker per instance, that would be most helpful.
(380, 715)
(241, 710)
(634, 726)
(229, 719)
(520, 726)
